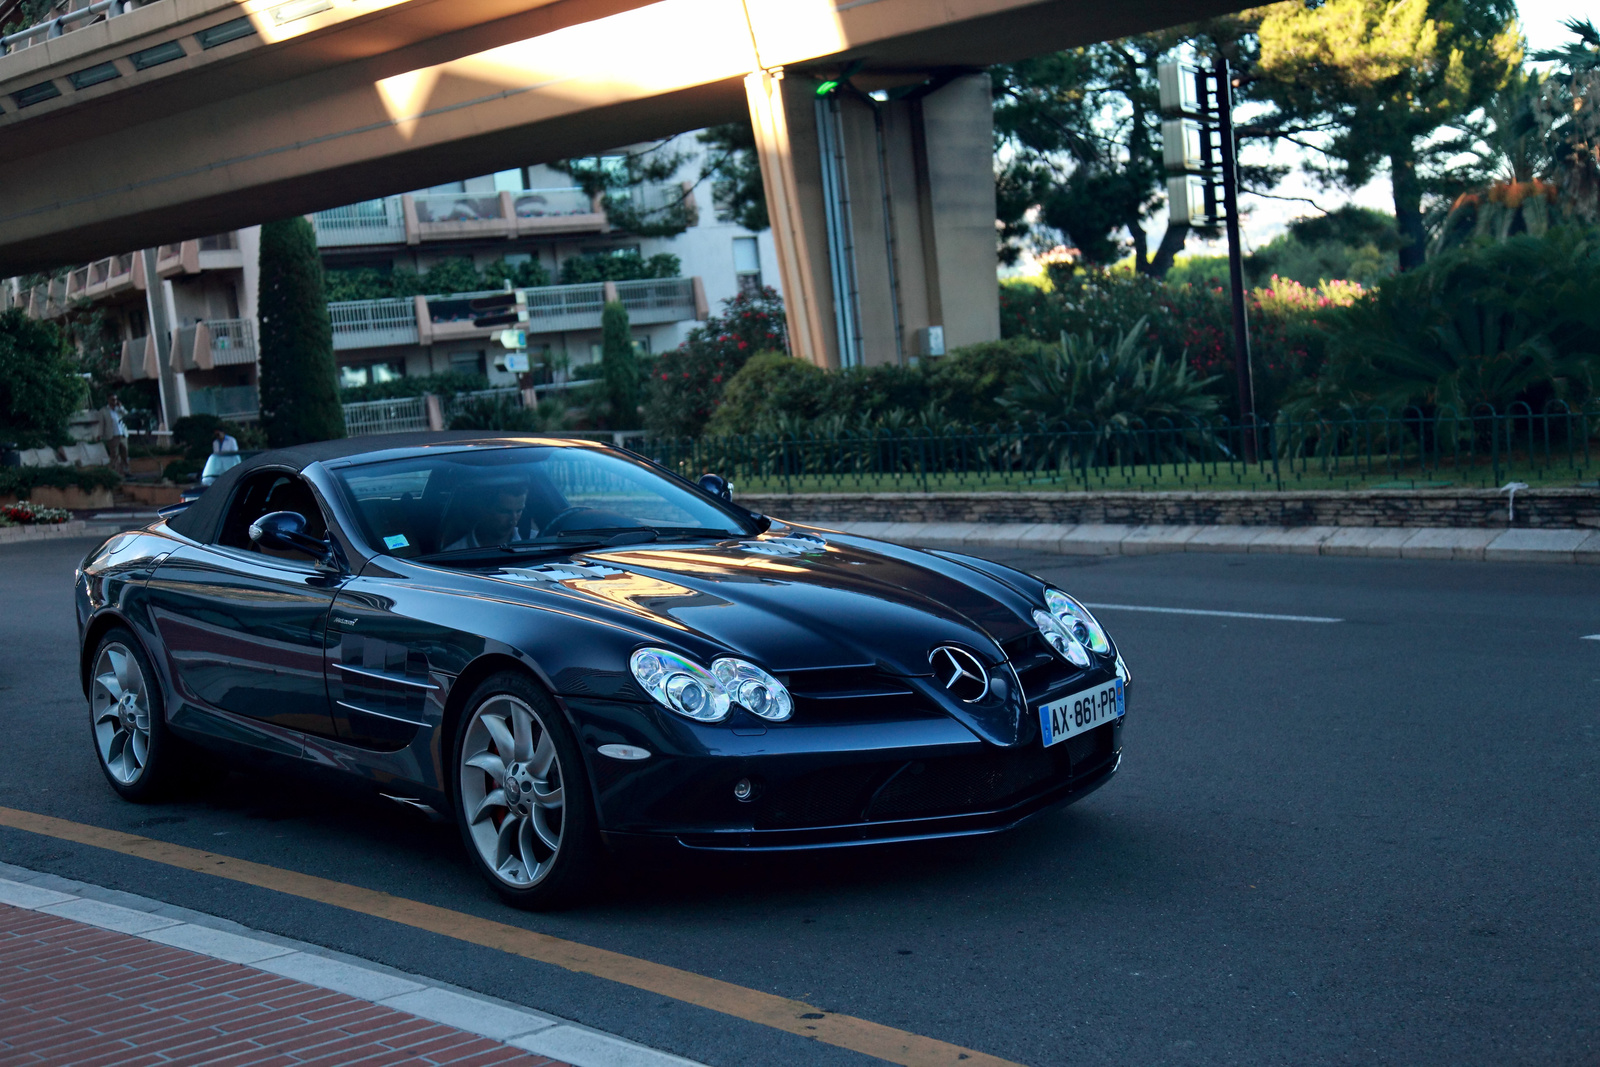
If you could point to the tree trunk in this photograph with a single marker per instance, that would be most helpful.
(1141, 247)
(1408, 206)
(1171, 244)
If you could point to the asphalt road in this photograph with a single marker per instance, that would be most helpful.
(1370, 841)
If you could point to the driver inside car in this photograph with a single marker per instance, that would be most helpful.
(493, 512)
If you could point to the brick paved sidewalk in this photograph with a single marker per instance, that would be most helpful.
(75, 994)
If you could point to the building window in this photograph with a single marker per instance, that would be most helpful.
(352, 375)
(466, 362)
(747, 264)
(641, 347)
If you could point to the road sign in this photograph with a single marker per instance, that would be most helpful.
(513, 338)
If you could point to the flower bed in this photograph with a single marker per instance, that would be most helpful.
(25, 513)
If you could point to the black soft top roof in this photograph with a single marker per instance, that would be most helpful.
(199, 520)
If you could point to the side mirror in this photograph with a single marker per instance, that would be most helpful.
(285, 531)
(716, 485)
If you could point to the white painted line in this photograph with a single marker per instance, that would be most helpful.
(1590, 637)
(1223, 614)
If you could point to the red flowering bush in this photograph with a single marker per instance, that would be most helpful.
(686, 383)
(26, 513)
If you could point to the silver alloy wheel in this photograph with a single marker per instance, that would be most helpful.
(121, 706)
(511, 790)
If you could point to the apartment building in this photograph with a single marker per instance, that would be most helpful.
(185, 314)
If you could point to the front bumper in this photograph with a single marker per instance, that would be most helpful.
(835, 800)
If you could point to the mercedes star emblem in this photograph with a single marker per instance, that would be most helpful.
(960, 672)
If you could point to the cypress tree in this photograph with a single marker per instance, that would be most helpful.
(619, 367)
(299, 382)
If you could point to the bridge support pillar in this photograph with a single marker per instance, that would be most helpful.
(883, 214)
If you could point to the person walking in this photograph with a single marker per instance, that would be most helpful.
(223, 441)
(114, 432)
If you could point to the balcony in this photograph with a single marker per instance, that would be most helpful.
(374, 323)
(139, 360)
(429, 320)
(213, 343)
(219, 252)
(458, 216)
(371, 222)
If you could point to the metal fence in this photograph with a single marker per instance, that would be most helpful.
(370, 222)
(400, 415)
(1412, 449)
(373, 323)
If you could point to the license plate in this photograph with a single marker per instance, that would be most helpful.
(1072, 715)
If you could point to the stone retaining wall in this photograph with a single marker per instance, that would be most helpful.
(1539, 508)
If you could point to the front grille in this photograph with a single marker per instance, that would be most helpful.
(854, 694)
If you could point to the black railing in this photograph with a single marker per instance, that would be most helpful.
(1347, 450)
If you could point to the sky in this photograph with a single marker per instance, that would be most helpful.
(1264, 219)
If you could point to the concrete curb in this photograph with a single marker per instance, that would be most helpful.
(1105, 539)
(414, 994)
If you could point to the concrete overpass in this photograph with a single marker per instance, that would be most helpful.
(190, 117)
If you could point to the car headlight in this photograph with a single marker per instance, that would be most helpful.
(692, 691)
(754, 689)
(680, 684)
(1077, 621)
(1057, 636)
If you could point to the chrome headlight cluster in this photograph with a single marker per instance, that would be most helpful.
(689, 689)
(1069, 628)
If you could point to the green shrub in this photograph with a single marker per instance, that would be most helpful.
(299, 384)
(619, 367)
(768, 388)
(457, 275)
(21, 481)
(508, 414)
(1497, 324)
(194, 435)
(686, 384)
(624, 266)
(1108, 385)
(39, 383)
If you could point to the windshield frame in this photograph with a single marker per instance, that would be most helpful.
(742, 522)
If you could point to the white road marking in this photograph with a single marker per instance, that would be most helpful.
(1223, 614)
(1590, 637)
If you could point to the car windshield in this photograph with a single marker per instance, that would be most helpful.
(460, 503)
(217, 463)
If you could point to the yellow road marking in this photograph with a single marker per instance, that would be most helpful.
(780, 1013)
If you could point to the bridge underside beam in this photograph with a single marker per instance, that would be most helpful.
(138, 161)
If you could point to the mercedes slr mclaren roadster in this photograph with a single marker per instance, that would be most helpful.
(575, 651)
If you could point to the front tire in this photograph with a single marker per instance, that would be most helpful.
(127, 721)
(521, 795)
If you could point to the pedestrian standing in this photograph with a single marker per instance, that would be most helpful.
(114, 432)
(223, 441)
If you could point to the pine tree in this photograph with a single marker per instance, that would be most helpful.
(619, 366)
(299, 382)
(1387, 75)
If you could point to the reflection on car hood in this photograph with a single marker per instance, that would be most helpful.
(799, 602)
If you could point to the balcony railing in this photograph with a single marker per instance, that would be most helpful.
(139, 360)
(373, 323)
(371, 222)
(655, 300)
(233, 341)
(213, 343)
(81, 15)
(551, 309)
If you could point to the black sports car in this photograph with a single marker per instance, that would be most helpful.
(574, 650)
